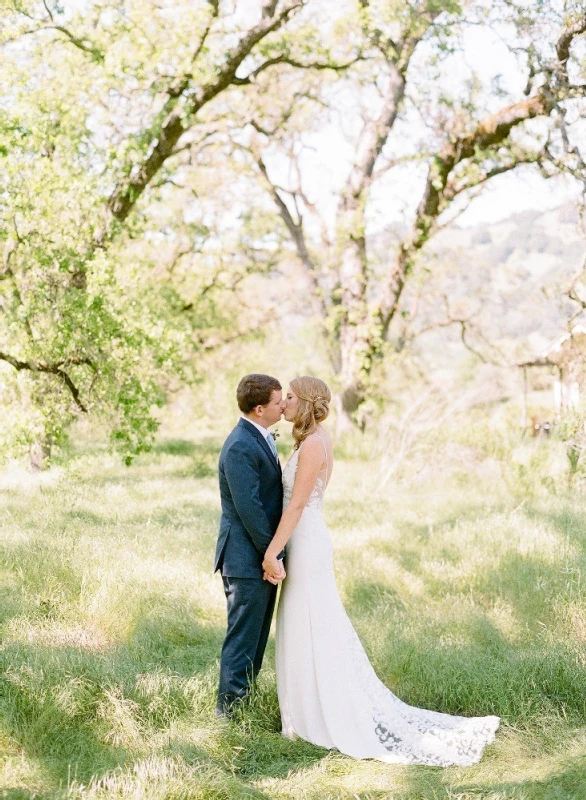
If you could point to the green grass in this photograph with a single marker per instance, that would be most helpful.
(467, 598)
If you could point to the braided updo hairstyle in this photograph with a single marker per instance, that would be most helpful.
(314, 406)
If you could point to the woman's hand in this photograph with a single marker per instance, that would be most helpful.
(273, 568)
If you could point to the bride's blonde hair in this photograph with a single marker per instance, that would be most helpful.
(313, 408)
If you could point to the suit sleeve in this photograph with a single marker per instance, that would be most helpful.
(242, 476)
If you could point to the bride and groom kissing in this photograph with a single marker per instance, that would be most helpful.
(272, 531)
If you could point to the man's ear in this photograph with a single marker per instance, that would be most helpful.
(258, 410)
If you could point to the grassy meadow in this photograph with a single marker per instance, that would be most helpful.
(467, 594)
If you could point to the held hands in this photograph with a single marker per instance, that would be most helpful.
(274, 571)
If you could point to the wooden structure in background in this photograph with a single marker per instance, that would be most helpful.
(567, 358)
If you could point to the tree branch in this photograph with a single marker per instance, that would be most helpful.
(82, 44)
(456, 186)
(296, 231)
(53, 369)
(176, 121)
(564, 42)
(292, 62)
(85, 45)
(373, 137)
(487, 134)
(465, 324)
(386, 46)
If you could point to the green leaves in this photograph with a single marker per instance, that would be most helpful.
(93, 311)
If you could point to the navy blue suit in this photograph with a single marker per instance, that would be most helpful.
(251, 492)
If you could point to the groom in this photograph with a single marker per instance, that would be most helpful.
(252, 502)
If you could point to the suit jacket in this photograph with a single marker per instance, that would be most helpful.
(251, 492)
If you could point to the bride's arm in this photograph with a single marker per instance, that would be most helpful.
(311, 457)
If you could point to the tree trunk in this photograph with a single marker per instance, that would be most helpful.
(344, 422)
(359, 332)
(40, 455)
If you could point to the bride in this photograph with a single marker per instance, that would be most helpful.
(328, 691)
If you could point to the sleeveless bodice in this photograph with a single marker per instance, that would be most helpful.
(317, 495)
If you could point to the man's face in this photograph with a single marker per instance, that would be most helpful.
(271, 413)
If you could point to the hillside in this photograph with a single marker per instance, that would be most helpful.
(509, 277)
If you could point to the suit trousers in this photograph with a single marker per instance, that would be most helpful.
(251, 602)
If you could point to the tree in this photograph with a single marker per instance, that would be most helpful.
(126, 232)
(99, 107)
(457, 138)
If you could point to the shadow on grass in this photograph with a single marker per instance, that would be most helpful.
(63, 739)
(531, 584)
(566, 784)
(568, 522)
(81, 710)
(84, 516)
(193, 524)
(424, 532)
(536, 586)
(172, 458)
(532, 587)
(368, 596)
(81, 713)
(179, 515)
(464, 664)
(428, 783)
(204, 456)
(12, 600)
(63, 704)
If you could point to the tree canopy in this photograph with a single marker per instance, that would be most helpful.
(153, 158)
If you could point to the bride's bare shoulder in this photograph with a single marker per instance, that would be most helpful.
(311, 443)
(324, 436)
(314, 444)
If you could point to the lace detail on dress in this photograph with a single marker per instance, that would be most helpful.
(415, 735)
(317, 495)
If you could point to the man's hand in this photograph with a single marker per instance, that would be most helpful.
(274, 571)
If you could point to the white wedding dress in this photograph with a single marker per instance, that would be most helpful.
(328, 692)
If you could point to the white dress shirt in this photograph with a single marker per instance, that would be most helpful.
(265, 431)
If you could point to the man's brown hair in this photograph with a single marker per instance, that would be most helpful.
(255, 390)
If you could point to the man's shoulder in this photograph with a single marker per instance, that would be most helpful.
(237, 438)
(239, 448)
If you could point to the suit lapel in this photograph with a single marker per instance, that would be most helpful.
(263, 443)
